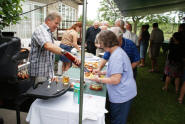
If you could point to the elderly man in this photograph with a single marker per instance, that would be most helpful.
(121, 24)
(42, 52)
(127, 45)
(90, 37)
(156, 38)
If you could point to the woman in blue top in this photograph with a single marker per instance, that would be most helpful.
(119, 79)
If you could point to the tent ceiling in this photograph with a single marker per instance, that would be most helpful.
(145, 7)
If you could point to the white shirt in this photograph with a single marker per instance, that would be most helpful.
(127, 35)
(134, 38)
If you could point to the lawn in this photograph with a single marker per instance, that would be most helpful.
(152, 105)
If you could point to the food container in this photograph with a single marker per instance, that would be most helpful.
(90, 68)
(96, 86)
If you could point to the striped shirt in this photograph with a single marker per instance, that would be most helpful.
(130, 48)
(41, 60)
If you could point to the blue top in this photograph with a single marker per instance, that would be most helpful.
(130, 48)
(119, 63)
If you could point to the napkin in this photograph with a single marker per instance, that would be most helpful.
(91, 108)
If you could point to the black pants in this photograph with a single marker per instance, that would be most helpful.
(91, 47)
(1, 121)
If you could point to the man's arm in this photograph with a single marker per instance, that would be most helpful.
(134, 64)
(136, 56)
(57, 50)
(102, 64)
(53, 48)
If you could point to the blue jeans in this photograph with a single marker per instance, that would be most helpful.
(67, 48)
(119, 112)
(143, 49)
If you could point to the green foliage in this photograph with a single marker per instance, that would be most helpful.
(166, 21)
(108, 11)
(9, 12)
(88, 22)
(159, 18)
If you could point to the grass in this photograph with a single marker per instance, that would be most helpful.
(152, 105)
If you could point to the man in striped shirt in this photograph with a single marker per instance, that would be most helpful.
(42, 52)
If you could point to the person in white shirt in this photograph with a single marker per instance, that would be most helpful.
(133, 37)
(120, 23)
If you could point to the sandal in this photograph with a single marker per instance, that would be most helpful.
(179, 100)
(141, 65)
(151, 70)
(164, 89)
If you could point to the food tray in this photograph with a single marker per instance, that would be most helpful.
(73, 81)
(43, 92)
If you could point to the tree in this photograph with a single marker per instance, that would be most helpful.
(10, 11)
(88, 23)
(135, 20)
(108, 11)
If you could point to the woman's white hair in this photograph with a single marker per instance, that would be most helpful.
(117, 31)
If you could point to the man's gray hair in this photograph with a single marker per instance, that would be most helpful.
(53, 16)
(120, 21)
(117, 31)
(96, 23)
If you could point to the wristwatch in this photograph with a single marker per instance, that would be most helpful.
(63, 51)
(100, 81)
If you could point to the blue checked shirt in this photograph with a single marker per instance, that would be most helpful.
(41, 60)
(130, 48)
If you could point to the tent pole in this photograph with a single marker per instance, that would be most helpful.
(82, 60)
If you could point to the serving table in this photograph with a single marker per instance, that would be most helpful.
(62, 110)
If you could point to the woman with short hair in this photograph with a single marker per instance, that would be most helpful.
(119, 79)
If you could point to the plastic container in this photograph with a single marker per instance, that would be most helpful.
(76, 93)
(90, 68)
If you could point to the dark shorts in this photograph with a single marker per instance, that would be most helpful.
(67, 48)
(183, 76)
(154, 50)
(173, 69)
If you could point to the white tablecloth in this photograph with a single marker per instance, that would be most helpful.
(62, 110)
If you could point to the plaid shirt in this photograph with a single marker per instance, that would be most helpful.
(41, 60)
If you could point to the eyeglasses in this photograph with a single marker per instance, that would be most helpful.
(101, 45)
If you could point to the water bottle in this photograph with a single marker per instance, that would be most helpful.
(76, 94)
